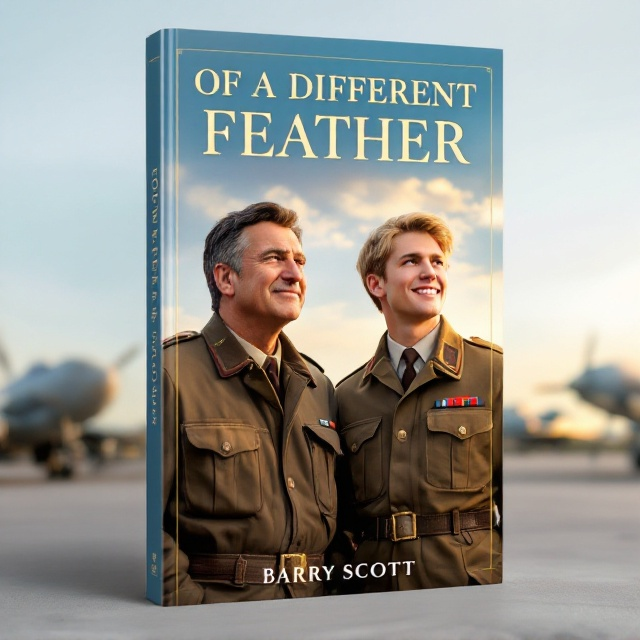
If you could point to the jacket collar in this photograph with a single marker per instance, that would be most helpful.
(230, 357)
(447, 357)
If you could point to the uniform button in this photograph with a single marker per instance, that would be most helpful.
(402, 435)
(290, 483)
(226, 447)
(354, 447)
(462, 430)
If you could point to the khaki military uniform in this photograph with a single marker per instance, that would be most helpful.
(406, 456)
(244, 473)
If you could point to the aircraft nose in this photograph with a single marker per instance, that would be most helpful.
(579, 384)
(111, 385)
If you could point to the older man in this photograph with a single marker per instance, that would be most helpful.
(250, 445)
(421, 424)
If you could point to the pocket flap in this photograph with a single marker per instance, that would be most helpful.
(359, 432)
(327, 435)
(224, 439)
(461, 422)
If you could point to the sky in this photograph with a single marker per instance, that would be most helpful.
(72, 174)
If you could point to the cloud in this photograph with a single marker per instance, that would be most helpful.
(369, 202)
(213, 201)
(492, 213)
(319, 230)
(378, 200)
(475, 302)
(342, 344)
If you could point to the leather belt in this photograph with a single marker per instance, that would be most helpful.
(409, 526)
(247, 568)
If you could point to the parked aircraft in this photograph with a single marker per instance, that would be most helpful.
(524, 430)
(612, 387)
(46, 410)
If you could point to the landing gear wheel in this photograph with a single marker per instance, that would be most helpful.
(60, 463)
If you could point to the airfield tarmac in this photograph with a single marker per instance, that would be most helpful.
(72, 566)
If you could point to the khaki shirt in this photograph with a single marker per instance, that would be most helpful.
(403, 454)
(242, 473)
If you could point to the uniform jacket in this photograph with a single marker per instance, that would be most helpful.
(242, 473)
(403, 454)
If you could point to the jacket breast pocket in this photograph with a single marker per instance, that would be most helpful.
(324, 446)
(221, 468)
(363, 441)
(459, 447)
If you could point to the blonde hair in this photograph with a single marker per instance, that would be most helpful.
(378, 246)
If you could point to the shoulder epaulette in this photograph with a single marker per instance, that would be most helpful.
(485, 343)
(183, 336)
(349, 375)
(312, 361)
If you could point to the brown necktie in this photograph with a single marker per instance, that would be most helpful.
(409, 355)
(271, 367)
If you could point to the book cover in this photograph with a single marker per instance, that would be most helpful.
(267, 484)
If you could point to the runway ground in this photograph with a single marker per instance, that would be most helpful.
(72, 566)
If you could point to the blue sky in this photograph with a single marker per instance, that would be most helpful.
(72, 156)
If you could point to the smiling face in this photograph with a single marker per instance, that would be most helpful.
(413, 288)
(269, 290)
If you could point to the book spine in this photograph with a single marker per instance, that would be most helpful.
(159, 142)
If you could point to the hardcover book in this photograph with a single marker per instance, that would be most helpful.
(324, 291)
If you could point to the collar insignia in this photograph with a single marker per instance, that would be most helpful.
(450, 355)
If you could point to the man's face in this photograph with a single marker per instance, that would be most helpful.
(271, 285)
(414, 287)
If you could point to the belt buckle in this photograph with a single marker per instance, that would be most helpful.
(394, 526)
(292, 560)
